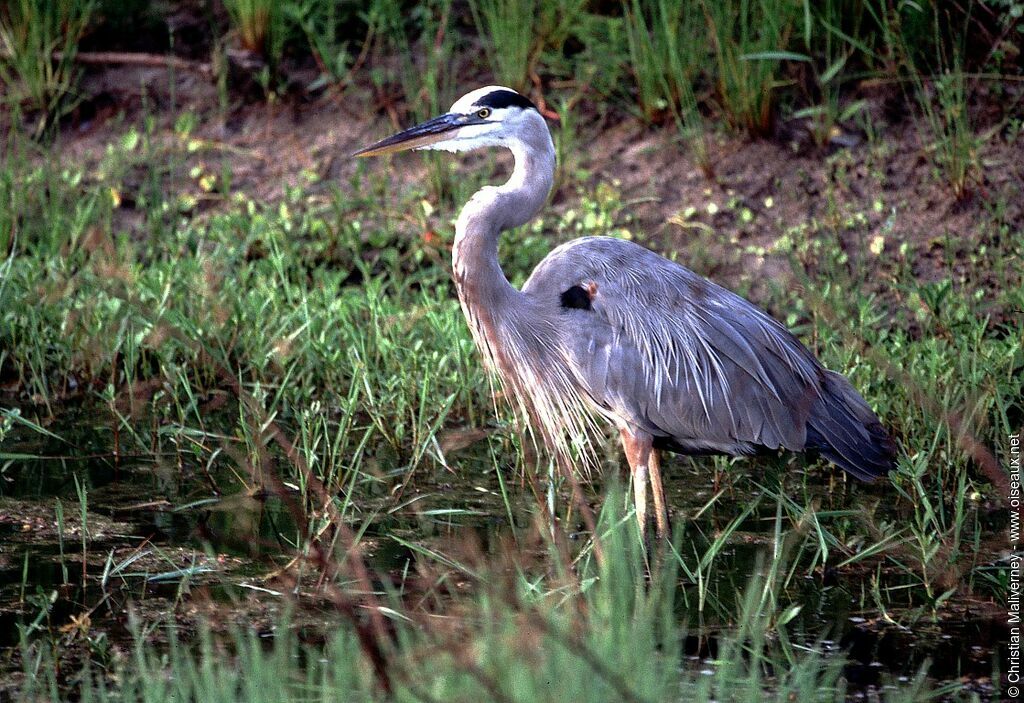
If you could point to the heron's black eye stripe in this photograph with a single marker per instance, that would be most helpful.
(576, 298)
(498, 99)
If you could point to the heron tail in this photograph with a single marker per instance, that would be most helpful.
(844, 430)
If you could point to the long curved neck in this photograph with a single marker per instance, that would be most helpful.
(492, 210)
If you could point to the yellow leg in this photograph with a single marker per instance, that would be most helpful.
(658, 492)
(643, 467)
(638, 453)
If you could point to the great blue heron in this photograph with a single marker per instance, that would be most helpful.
(605, 327)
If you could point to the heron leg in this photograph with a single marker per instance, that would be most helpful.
(638, 454)
(658, 493)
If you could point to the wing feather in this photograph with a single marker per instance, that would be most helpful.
(678, 356)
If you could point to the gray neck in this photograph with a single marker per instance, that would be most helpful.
(492, 210)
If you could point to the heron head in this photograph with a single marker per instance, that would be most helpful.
(489, 116)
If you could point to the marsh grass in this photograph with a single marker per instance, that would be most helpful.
(38, 42)
(508, 30)
(519, 36)
(259, 25)
(325, 26)
(420, 60)
(667, 58)
(601, 67)
(158, 322)
(827, 32)
(665, 53)
(954, 143)
(925, 51)
(750, 40)
(609, 632)
(935, 550)
(269, 304)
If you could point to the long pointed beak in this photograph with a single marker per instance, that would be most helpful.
(423, 134)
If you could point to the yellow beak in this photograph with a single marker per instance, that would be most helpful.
(424, 134)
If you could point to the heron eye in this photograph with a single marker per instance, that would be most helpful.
(483, 113)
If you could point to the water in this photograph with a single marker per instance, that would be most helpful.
(198, 526)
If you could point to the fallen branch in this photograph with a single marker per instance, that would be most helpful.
(130, 58)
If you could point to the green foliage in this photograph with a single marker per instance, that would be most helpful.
(258, 24)
(425, 52)
(508, 30)
(324, 26)
(515, 34)
(665, 52)
(954, 145)
(826, 32)
(667, 56)
(925, 50)
(601, 66)
(610, 634)
(38, 42)
(954, 142)
(425, 70)
(750, 39)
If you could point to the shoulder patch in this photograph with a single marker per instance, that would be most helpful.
(498, 99)
(576, 298)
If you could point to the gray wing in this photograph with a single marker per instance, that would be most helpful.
(667, 351)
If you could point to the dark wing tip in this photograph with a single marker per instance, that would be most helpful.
(865, 458)
(847, 432)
